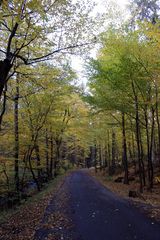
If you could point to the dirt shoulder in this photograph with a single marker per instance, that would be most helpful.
(22, 222)
(148, 202)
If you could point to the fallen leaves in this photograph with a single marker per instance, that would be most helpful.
(23, 224)
(149, 202)
(56, 224)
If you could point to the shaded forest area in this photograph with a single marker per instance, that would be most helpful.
(43, 119)
(124, 85)
(48, 122)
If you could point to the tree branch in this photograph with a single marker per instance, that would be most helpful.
(10, 39)
(45, 57)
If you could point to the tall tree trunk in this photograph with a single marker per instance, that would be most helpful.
(158, 122)
(38, 161)
(124, 157)
(106, 156)
(47, 153)
(100, 157)
(6, 176)
(142, 159)
(16, 135)
(57, 160)
(109, 152)
(29, 155)
(138, 136)
(95, 158)
(113, 152)
(130, 152)
(134, 153)
(149, 147)
(151, 150)
(5, 67)
(52, 163)
(4, 104)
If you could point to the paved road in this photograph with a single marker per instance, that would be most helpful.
(99, 214)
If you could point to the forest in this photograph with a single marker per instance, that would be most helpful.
(50, 122)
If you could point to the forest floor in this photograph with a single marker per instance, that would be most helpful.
(148, 201)
(22, 222)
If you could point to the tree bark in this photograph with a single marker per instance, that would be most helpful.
(151, 151)
(138, 136)
(5, 67)
(52, 165)
(47, 153)
(158, 122)
(142, 158)
(38, 161)
(29, 155)
(95, 158)
(100, 157)
(113, 166)
(109, 152)
(16, 134)
(124, 157)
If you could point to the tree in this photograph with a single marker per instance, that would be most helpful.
(34, 31)
(122, 80)
(145, 10)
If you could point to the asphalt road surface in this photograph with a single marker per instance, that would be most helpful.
(99, 214)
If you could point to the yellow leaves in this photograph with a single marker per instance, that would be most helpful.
(4, 4)
(32, 4)
(36, 5)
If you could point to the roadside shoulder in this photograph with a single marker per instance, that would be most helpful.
(22, 222)
(143, 202)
